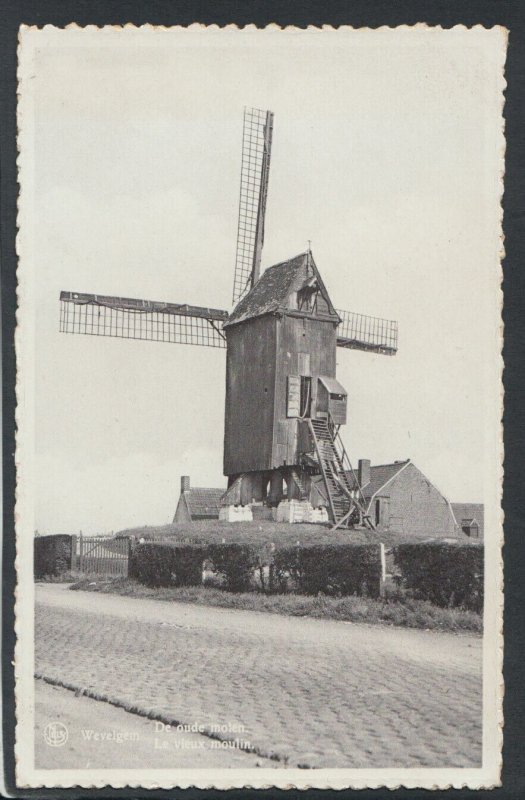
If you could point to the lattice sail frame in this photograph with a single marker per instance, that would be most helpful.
(255, 167)
(127, 318)
(373, 334)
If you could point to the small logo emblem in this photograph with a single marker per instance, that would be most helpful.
(56, 734)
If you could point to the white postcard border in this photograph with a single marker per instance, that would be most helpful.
(27, 775)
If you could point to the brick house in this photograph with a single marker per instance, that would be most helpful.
(197, 503)
(401, 499)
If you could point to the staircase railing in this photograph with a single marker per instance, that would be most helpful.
(298, 482)
(358, 497)
(346, 464)
(323, 471)
(335, 469)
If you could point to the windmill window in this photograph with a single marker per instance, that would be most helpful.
(306, 298)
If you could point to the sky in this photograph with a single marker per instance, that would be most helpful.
(385, 155)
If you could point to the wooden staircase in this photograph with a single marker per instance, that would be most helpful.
(346, 502)
(303, 494)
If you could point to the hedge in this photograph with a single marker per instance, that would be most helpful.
(52, 555)
(235, 564)
(331, 569)
(448, 575)
(328, 569)
(161, 564)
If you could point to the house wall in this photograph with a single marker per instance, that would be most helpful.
(410, 504)
(250, 389)
(181, 512)
(297, 336)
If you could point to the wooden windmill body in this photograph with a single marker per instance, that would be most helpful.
(284, 405)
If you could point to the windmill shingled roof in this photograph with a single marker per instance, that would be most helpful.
(270, 293)
(203, 502)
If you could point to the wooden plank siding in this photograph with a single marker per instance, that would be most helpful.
(302, 343)
(262, 354)
(250, 384)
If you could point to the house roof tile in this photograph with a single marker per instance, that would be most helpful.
(203, 502)
(379, 476)
(469, 511)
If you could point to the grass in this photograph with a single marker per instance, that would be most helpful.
(66, 577)
(260, 532)
(403, 612)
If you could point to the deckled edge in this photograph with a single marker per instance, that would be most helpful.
(19, 436)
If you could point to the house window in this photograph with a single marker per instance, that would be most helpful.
(382, 511)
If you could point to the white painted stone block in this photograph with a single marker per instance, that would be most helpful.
(318, 515)
(293, 511)
(235, 514)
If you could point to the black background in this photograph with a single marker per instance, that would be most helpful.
(359, 13)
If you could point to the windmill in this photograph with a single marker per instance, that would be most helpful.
(284, 405)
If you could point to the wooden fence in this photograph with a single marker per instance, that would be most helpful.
(100, 554)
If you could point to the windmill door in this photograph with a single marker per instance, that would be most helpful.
(299, 400)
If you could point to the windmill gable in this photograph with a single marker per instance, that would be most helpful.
(292, 286)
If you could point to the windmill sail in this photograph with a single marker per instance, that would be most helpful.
(255, 168)
(360, 332)
(127, 318)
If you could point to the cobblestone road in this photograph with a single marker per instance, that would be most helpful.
(316, 693)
